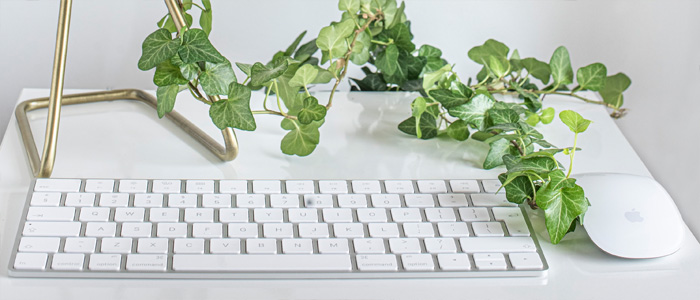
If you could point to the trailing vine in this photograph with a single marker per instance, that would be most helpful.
(376, 35)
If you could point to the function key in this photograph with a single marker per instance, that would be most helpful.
(492, 185)
(432, 186)
(398, 186)
(464, 186)
(166, 186)
(333, 186)
(233, 186)
(200, 186)
(57, 185)
(267, 186)
(300, 186)
(133, 186)
(366, 187)
(99, 185)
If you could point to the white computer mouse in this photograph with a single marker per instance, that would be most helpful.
(631, 216)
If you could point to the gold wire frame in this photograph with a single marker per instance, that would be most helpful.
(43, 167)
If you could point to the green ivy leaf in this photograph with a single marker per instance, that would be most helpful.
(166, 96)
(261, 74)
(288, 93)
(536, 164)
(414, 65)
(196, 47)
(574, 120)
(371, 82)
(234, 111)
(158, 47)
(502, 116)
(481, 54)
(305, 51)
(216, 78)
(615, 85)
(537, 69)
(562, 73)
(592, 77)
(188, 71)
(547, 115)
(323, 76)
(497, 150)
(205, 20)
(458, 130)
(304, 76)
(448, 98)
(332, 38)
(474, 111)
(429, 51)
(302, 139)
(351, 6)
(562, 201)
(499, 66)
(519, 189)
(429, 79)
(428, 126)
(311, 111)
(388, 60)
(244, 67)
(168, 74)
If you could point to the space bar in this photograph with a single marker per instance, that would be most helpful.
(213, 262)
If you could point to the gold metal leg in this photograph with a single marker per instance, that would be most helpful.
(43, 167)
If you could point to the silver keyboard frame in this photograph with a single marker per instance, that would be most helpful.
(354, 274)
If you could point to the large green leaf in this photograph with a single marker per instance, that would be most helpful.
(306, 50)
(388, 60)
(499, 66)
(537, 69)
(448, 98)
(502, 116)
(166, 99)
(615, 85)
(562, 201)
(261, 74)
(216, 78)
(481, 54)
(304, 76)
(400, 35)
(458, 130)
(332, 38)
(168, 74)
(311, 111)
(428, 126)
(536, 164)
(234, 111)
(371, 82)
(302, 139)
(519, 189)
(474, 111)
(574, 121)
(497, 150)
(592, 77)
(196, 47)
(351, 6)
(429, 51)
(158, 47)
(562, 73)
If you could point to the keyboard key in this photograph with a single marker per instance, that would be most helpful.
(105, 262)
(146, 262)
(432, 186)
(366, 215)
(110, 200)
(404, 245)
(454, 262)
(278, 230)
(305, 215)
(492, 186)
(51, 229)
(526, 261)
(417, 262)
(68, 261)
(352, 200)
(377, 262)
(313, 230)
(136, 229)
(490, 261)
(243, 230)
(266, 215)
(398, 186)
(419, 200)
(366, 187)
(284, 200)
(30, 261)
(383, 230)
(51, 214)
(497, 244)
(80, 245)
(133, 186)
(182, 200)
(333, 246)
(250, 200)
(216, 200)
(472, 214)
(199, 186)
(440, 245)
(164, 215)
(452, 200)
(333, 186)
(207, 230)
(491, 200)
(129, 214)
(348, 230)
(406, 215)
(453, 229)
(487, 229)
(152, 245)
(57, 185)
(99, 185)
(188, 246)
(514, 220)
(368, 245)
(228, 215)
(166, 186)
(335, 215)
(116, 245)
(81, 199)
(300, 262)
(39, 244)
(261, 246)
(464, 186)
(233, 186)
(94, 214)
(101, 229)
(267, 187)
(299, 186)
(440, 214)
(225, 246)
(148, 200)
(45, 199)
(297, 246)
(199, 215)
(385, 200)
(171, 230)
(418, 230)
(318, 200)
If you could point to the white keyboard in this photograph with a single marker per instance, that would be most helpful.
(110, 228)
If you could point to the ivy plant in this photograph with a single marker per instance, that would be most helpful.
(376, 35)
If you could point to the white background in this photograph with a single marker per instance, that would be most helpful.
(656, 43)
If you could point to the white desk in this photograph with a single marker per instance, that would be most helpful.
(359, 140)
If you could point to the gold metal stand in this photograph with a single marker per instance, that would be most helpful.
(43, 167)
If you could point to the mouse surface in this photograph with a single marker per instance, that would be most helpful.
(631, 216)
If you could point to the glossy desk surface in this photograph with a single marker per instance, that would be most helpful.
(359, 141)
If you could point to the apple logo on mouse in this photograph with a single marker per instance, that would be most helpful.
(634, 216)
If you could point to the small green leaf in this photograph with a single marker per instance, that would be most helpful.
(304, 76)
(537, 69)
(481, 54)
(428, 126)
(575, 121)
(499, 66)
(205, 20)
(458, 130)
(448, 98)
(261, 74)
(615, 85)
(187, 4)
(537, 164)
(562, 73)
(502, 116)
(168, 74)
(158, 47)
(429, 79)
(234, 111)
(563, 201)
(207, 4)
(323, 76)
(244, 67)
(398, 15)
(388, 60)
(302, 139)
(474, 111)
(166, 99)
(311, 111)
(216, 78)
(532, 119)
(293, 47)
(188, 71)
(196, 47)
(371, 82)
(400, 35)
(519, 189)
(547, 115)
(497, 150)
(351, 6)
(592, 77)
(332, 38)
(429, 51)
(305, 51)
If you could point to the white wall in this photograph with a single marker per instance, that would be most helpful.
(655, 42)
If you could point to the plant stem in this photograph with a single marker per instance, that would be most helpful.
(197, 94)
(267, 112)
(571, 159)
(277, 95)
(520, 150)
